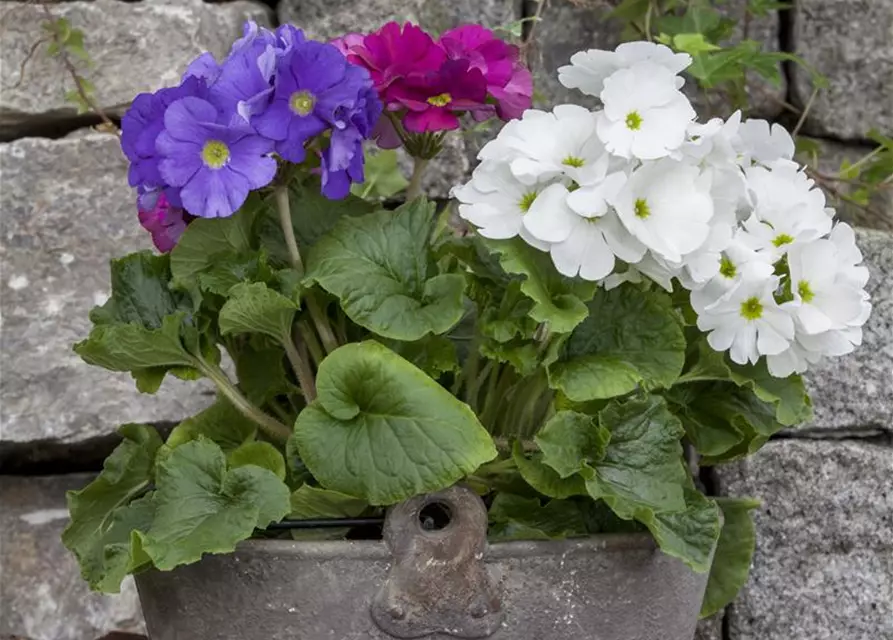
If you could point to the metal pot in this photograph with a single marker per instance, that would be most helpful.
(439, 585)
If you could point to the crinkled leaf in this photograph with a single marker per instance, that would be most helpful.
(570, 440)
(203, 508)
(435, 355)
(383, 177)
(689, 535)
(312, 502)
(522, 356)
(642, 465)
(230, 268)
(631, 338)
(509, 317)
(544, 478)
(255, 308)
(260, 454)
(382, 430)
(734, 551)
(557, 300)
(378, 267)
(130, 347)
(517, 518)
(102, 514)
(260, 369)
(221, 423)
(205, 239)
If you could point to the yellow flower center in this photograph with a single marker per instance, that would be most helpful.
(527, 201)
(301, 102)
(440, 100)
(573, 161)
(805, 291)
(752, 309)
(727, 268)
(642, 209)
(782, 239)
(215, 154)
(633, 121)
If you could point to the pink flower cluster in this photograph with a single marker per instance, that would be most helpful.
(430, 83)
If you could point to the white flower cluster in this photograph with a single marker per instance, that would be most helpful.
(639, 188)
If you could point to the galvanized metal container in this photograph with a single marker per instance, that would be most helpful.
(434, 584)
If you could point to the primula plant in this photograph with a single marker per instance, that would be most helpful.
(637, 293)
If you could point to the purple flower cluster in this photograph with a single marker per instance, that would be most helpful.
(204, 145)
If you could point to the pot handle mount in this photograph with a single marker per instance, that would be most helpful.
(438, 582)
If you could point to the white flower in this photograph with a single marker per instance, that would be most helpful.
(496, 202)
(787, 210)
(589, 69)
(713, 143)
(758, 142)
(666, 205)
(645, 115)
(737, 262)
(549, 218)
(825, 301)
(849, 257)
(747, 321)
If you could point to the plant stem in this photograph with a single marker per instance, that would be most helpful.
(284, 207)
(806, 109)
(302, 369)
(320, 321)
(313, 346)
(414, 189)
(274, 429)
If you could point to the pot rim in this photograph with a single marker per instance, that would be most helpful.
(377, 550)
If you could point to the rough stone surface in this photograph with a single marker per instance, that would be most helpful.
(879, 212)
(66, 210)
(856, 391)
(569, 26)
(129, 59)
(823, 567)
(848, 41)
(42, 594)
(710, 629)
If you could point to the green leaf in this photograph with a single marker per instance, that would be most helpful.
(631, 338)
(642, 465)
(435, 355)
(544, 478)
(522, 356)
(254, 308)
(383, 176)
(259, 454)
(382, 430)
(557, 300)
(312, 502)
(734, 551)
(102, 514)
(378, 267)
(692, 43)
(231, 268)
(260, 369)
(203, 508)
(516, 518)
(689, 535)
(207, 238)
(570, 440)
(221, 423)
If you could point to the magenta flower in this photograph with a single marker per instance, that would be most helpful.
(159, 216)
(215, 165)
(509, 82)
(435, 100)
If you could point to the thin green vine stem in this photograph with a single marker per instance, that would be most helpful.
(274, 429)
(313, 346)
(301, 368)
(284, 207)
(414, 190)
(321, 322)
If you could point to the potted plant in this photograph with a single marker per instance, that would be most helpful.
(630, 293)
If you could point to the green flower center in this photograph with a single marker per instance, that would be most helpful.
(573, 161)
(806, 293)
(782, 239)
(727, 268)
(527, 201)
(440, 100)
(633, 121)
(215, 154)
(302, 102)
(752, 309)
(642, 209)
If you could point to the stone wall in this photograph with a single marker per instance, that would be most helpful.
(824, 562)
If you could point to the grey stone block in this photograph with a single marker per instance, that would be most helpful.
(66, 210)
(135, 47)
(710, 628)
(42, 595)
(856, 391)
(879, 212)
(848, 41)
(823, 566)
(569, 26)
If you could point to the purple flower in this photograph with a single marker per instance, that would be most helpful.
(162, 218)
(244, 84)
(141, 126)
(215, 165)
(342, 162)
